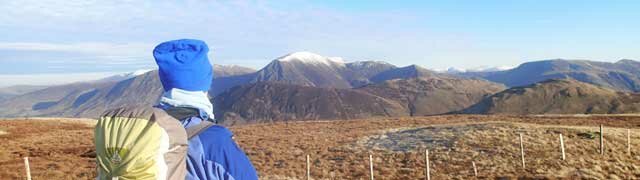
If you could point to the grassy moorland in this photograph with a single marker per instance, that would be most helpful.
(62, 149)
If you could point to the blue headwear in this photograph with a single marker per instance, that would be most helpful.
(183, 64)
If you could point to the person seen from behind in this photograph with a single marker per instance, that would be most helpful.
(186, 75)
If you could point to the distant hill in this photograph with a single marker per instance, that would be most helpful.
(412, 71)
(623, 75)
(434, 95)
(230, 70)
(228, 76)
(12, 91)
(558, 96)
(84, 99)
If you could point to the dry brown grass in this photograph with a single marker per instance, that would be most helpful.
(339, 149)
(55, 149)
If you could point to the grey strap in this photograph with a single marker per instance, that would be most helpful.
(181, 113)
(197, 129)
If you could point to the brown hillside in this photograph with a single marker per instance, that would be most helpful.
(560, 96)
(434, 95)
(269, 101)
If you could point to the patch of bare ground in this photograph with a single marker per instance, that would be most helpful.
(340, 149)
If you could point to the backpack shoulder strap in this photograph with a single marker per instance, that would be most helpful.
(199, 128)
(181, 113)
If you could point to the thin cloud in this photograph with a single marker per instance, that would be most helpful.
(98, 48)
(51, 79)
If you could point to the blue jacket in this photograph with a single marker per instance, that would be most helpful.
(214, 155)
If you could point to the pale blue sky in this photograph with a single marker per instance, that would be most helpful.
(105, 37)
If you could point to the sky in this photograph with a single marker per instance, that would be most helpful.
(53, 41)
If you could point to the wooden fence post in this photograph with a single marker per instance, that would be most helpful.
(522, 152)
(601, 140)
(629, 142)
(426, 157)
(562, 148)
(308, 168)
(371, 165)
(475, 169)
(26, 166)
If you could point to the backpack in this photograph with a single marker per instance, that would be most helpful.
(142, 143)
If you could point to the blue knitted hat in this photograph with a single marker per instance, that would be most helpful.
(184, 65)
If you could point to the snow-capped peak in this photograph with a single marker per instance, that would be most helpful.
(312, 58)
(454, 70)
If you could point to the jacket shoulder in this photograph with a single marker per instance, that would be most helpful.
(216, 132)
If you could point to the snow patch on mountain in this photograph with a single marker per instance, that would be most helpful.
(368, 64)
(311, 58)
(455, 70)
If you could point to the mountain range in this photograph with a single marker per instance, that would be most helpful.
(308, 86)
(623, 75)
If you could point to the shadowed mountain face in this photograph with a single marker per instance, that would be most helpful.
(623, 75)
(564, 96)
(402, 97)
(431, 96)
(268, 101)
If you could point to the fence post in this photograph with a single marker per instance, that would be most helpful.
(601, 140)
(522, 152)
(308, 168)
(562, 148)
(629, 142)
(26, 166)
(475, 169)
(428, 168)
(371, 165)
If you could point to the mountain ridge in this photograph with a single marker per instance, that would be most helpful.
(623, 75)
(558, 96)
(383, 89)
